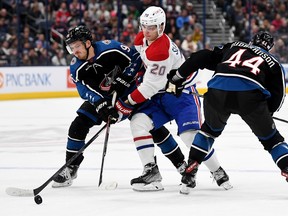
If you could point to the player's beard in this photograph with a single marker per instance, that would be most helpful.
(81, 55)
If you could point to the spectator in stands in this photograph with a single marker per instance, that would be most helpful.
(26, 47)
(26, 60)
(36, 17)
(113, 22)
(183, 18)
(171, 30)
(102, 14)
(185, 30)
(281, 50)
(26, 35)
(191, 12)
(100, 33)
(37, 55)
(128, 35)
(63, 13)
(76, 9)
(282, 9)
(93, 6)
(133, 11)
(188, 46)
(284, 28)
(59, 59)
(39, 5)
(59, 31)
(41, 38)
(108, 4)
(4, 53)
(277, 22)
(130, 20)
(3, 26)
(197, 32)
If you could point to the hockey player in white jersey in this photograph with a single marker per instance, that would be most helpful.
(160, 55)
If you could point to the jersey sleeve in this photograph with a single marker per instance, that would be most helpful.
(135, 64)
(86, 93)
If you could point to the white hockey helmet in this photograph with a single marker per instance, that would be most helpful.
(154, 16)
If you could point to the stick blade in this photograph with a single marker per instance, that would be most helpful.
(108, 186)
(13, 191)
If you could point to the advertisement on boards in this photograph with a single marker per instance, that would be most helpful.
(35, 82)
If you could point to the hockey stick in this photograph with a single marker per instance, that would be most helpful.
(279, 119)
(12, 191)
(104, 151)
(113, 185)
(193, 93)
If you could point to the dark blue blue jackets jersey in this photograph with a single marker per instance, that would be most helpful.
(240, 66)
(93, 77)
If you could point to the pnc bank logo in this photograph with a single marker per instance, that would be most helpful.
(1, 80)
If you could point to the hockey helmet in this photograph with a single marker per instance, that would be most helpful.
(79, 33)
(263, 39)
(154, 16)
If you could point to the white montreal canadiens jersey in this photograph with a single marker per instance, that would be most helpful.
(159, 58)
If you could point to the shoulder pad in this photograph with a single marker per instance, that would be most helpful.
(139, 39)
(158, 50)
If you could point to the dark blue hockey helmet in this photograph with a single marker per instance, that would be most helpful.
(79, 33)
(263, 39)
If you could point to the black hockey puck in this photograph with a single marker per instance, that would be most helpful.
(38, 199)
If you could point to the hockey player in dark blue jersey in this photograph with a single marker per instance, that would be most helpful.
(93, 68)
(248, 81)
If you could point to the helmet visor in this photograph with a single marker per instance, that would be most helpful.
(73, 47)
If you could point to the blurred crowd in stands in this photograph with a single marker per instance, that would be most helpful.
(32, 32)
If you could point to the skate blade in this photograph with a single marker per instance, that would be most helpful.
(154, 186)
(61, 185)
(226, 185)
(184, 189)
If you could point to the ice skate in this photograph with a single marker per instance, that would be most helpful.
(150, 180)
(65, 178)
(188, 180)
(284, 173)
(221, 178)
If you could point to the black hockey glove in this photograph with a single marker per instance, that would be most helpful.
(120, 84)
(105, 110)
(175, 83)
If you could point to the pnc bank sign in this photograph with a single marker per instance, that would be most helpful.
(24, 79)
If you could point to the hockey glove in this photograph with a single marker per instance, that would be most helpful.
(105, 110)
(175, 83)
(120, 84)
(124, 110)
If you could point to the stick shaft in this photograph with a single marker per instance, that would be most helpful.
(40, 188)
(279, 119)
(106, 142)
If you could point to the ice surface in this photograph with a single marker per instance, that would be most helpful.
(32, 149)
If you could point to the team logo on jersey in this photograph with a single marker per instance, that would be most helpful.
(105, 84)
(73, 61)
(106, 42)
